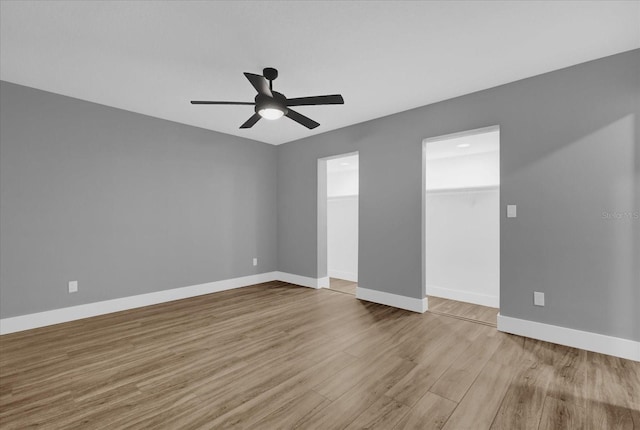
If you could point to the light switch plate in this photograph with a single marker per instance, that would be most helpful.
(538, 298)
(512, 211)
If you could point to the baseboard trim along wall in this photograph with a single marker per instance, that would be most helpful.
(609, 345)
(72, 313)
(395, 300)
(347, 276)
(303, 280)
(618, 347)
(464, 296)
(57, 316)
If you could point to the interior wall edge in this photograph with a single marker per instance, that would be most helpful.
(305, 281)
(395, 300)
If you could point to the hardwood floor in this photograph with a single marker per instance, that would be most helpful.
(276, 356)
(343, 286)
(469, 311)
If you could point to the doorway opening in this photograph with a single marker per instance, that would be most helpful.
(341, 214)
(462, 224)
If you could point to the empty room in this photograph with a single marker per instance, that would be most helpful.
(320, 215)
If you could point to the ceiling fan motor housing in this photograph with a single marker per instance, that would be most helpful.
(279, 101)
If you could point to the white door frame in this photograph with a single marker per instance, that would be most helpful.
(321, 229)
(425, 142)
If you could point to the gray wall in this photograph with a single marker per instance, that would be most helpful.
(128, 204)
(570, 156)
(124, 203)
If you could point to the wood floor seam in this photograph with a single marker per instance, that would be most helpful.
(448, 315)
(439, 395)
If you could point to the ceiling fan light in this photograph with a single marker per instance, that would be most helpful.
(270, 113)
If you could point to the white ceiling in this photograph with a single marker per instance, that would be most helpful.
(384, 57)
(343, 164)
(463, 145)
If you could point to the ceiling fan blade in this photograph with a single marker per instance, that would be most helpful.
(301, 119)
(206, 102)
(260, 83)
(333, 99)
(251, 121)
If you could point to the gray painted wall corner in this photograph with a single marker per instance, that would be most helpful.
(124, 203)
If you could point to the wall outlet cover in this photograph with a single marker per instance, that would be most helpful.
(512, 211)
(73, 286)
(538, 298)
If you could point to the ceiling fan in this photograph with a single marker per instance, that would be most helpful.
(271, 104)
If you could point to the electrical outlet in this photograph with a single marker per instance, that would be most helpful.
(512, 211)
(255, 261)
(73, 286)
(538, 298)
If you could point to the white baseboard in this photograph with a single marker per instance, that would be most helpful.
(618, 347)
(347, 276)
(324, 282)
(72, 313)
(395, 300)
(57, 316)
(303, 280)
(464, 296)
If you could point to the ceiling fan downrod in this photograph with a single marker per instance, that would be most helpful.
(270, 74)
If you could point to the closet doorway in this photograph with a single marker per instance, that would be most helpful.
(342, 186)
(462, 224)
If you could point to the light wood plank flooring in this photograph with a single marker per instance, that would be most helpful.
(343, 286)
(469, 311)
(275, 356)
